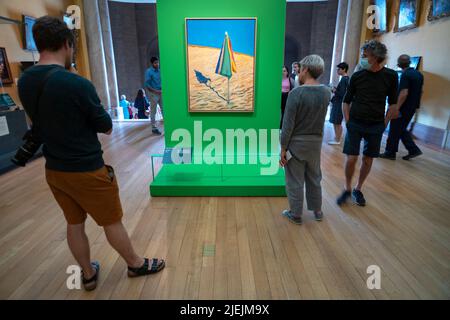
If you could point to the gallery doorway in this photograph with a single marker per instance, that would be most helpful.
(135, 40)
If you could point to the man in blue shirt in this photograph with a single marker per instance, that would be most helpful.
(153, 85)
(410, 93)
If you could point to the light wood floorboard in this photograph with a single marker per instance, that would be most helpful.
(405, 229)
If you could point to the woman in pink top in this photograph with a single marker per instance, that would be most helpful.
(287, 85)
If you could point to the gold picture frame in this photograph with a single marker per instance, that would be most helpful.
(193, 105)
(435, 16)
(5, 69)
(403, 16)
(383, 4)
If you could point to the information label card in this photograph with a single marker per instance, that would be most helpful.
(3, 127)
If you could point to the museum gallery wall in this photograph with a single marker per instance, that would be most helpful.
(221, 71)
(194, 89)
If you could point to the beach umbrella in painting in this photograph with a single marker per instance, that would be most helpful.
(226, 64)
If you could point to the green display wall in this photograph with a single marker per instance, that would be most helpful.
(171, 16)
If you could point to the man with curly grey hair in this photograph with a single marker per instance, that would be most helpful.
(364, 109)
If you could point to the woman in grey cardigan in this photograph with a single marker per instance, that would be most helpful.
(301, 140)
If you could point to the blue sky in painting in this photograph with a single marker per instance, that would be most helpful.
(210, 33)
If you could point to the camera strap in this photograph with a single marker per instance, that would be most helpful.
(38, 97)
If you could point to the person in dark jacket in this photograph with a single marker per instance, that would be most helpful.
(410, 93)
(336, 115)
(141, 104)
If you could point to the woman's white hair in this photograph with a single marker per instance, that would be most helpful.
(315, 65)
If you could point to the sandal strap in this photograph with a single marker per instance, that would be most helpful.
(143, 270)
(96, 266)
(154, 264)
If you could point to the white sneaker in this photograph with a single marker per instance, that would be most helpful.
(334, 142)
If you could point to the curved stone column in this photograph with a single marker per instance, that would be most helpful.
(352, 35)
(339, 35)
(96, 51)
(108, 51)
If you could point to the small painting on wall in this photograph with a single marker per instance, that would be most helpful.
(382, 10)
(5, 70)
(415, 61)
(439, 9)
(27, 33)
(408, 15)
(221, 55)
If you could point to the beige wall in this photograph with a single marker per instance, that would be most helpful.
(82, 55)
(431, 41)
(11, 39)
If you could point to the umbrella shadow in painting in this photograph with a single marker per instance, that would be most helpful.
(207, 82)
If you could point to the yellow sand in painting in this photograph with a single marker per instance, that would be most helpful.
(202, 98)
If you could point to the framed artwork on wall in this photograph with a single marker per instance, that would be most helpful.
(415, 61)
(407, 15)
(27, 33)
(382, 7)
(221, 55)
(5, 70)
(439, 9)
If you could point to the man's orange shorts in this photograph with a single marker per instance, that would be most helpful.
(80, 193)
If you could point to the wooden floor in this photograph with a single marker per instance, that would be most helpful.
(405, 230)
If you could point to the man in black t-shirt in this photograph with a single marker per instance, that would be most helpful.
(364, 108)
(410, 93)
(67, 115)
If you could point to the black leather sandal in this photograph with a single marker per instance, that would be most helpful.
(156, 266)
(91, 284)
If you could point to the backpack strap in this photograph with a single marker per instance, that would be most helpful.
(41, 90)
(35, 123)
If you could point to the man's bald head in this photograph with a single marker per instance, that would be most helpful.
(404, 61)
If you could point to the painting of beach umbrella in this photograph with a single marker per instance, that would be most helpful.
(226, 64)
(221, 57)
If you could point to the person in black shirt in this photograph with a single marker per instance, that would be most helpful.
(364, 112)
(410, 93)
(67, 114)
(66, 96)
(287, 84)
(336, 115)
(141, 104)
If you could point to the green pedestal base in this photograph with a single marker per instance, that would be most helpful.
(216, 180)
